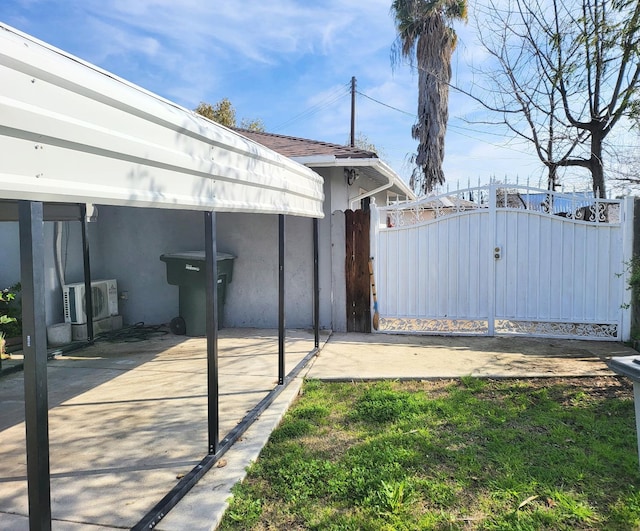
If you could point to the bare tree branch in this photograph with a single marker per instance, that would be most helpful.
(562, 74)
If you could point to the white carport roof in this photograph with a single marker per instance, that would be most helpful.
(71, 132)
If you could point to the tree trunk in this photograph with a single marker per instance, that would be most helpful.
(433, 54)
(596, 166)
(552, 180)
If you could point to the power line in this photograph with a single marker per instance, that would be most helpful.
(385, 104)
(450, 126)
(345, 90)
(336, 95)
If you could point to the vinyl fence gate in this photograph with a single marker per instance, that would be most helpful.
(504, 260)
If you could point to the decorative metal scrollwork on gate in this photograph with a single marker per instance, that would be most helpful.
(575, 206)
(556, 329)
(434, 326)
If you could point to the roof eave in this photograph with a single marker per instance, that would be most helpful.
(387, 174)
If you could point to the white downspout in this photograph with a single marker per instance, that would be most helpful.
(371, 193)
(58, 252)
(330, 161)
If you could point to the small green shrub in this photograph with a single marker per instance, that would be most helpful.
(292, 428)
(380, 403)
(633, 267)
(312, 412)
(11, 311)
(393, 497)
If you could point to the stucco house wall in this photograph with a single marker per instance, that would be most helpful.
(10, 258)
(132, 240)
(340, 195)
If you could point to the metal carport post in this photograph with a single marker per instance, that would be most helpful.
(210, 253)
(316, 286)
(30, 215)
(281, 310)
(88, 293)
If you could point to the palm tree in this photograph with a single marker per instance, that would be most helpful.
(424, 26)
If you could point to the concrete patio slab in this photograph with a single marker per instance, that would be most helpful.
(373, 356)
(127, 420)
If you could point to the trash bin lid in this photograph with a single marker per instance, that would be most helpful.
(626, 366)
(195, 255)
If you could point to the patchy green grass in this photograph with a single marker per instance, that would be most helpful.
(465, 454)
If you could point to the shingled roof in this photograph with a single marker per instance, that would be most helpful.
(316, 154)
(292, 147)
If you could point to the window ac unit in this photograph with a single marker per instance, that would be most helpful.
(104, 296)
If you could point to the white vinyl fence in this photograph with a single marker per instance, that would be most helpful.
(504, 260)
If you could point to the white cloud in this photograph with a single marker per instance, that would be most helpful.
(256, 30)
(121, 42)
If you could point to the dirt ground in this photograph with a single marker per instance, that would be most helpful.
(599, 387)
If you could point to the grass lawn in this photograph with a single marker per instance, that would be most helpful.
(462, 454)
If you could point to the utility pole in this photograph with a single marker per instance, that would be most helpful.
(353, 111)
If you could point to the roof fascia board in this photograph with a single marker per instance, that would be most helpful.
(318, 161)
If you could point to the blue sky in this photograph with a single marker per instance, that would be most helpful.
(287, 62)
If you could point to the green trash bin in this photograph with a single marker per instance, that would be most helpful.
(187, 271)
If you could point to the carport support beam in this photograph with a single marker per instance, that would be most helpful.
(316, 286)
(88, 293)
(211, 263)
(34, 338)
(281, 312)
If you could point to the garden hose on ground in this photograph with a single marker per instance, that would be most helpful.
(133, 333)
(129, 334)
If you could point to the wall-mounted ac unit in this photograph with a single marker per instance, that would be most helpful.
(104, 294)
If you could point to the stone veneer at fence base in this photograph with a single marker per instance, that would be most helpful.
(425, 325)
(502, 327)
(576, 330)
